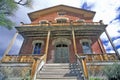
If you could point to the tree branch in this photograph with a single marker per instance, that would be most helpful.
(20, 2)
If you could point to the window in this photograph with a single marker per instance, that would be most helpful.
(43, 22)
(80, 20)
(86, 47)
(61, 13)
(37, 48)
(61, 20)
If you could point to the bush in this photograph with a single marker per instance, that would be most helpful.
(113, 72)
(95, 78)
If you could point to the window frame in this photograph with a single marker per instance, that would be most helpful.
(46, 22)
(80, 20)
(89, 44)
(34, 43)
(61, 13)
(62, 18)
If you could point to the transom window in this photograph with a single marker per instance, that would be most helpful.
(86, 47)
(61, 45)
(37, 48)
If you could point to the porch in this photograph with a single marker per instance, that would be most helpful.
(37, 60)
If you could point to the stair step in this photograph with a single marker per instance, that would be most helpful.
(58, 71)
(57, 79)
(55, 70)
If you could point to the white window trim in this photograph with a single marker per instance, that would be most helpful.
(61, 18)
(43, 20)
(86, 40)
(82, 20)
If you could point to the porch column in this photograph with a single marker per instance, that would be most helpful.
(74, 41)
(10, 44)
(116, 52)
(103, 50)
(101, 46)
(47, 44)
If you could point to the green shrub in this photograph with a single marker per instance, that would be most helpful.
(95, 78)
(112, 72)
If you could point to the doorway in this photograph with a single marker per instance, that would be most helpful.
(61, 53)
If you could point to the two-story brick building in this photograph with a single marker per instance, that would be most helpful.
(61, 34)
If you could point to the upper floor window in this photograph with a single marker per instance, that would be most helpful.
(43, 22)
(61, 13)
(61, 20)
(86, 46)
(80, 20)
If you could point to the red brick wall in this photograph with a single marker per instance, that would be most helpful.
(52, 16)
(27, 47)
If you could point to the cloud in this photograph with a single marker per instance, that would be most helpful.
(87, 6)
(17, 45)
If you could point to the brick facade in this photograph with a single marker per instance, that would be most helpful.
(27, 47)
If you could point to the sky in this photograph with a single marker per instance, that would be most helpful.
(106, 10)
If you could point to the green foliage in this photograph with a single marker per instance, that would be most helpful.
(4, 21)
(7, 8)
(113, 72)
(95, 78)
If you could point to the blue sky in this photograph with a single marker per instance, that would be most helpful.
(106, 10)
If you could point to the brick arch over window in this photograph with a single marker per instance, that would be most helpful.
(61, 40)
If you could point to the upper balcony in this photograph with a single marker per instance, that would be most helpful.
(61, 24)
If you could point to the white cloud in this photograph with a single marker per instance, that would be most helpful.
(16, 46)
(105, 10)
(119, 50)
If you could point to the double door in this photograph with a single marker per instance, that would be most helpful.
(61, 53)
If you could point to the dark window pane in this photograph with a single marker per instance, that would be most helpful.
(37, 48)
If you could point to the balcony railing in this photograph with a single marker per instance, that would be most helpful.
(31, 58)
(63, 24)
(20, 58)
(100, 57)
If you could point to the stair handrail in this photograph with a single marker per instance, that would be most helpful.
(82, 61)
(37, 65)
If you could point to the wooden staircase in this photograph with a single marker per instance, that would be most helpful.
(60, 71)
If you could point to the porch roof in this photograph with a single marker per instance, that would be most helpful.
(91, 29)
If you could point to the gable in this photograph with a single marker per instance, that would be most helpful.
(34, 15)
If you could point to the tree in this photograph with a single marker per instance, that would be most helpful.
(7, 8)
